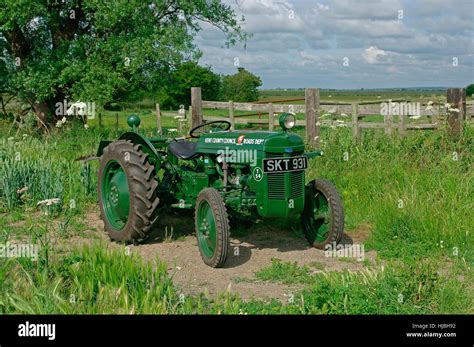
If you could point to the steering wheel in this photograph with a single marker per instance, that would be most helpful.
(209, 127)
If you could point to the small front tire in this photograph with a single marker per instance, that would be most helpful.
(212, 227)
(323, 216)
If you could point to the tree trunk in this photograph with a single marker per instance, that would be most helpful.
(41, 110)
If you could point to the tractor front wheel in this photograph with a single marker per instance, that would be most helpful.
(212, 227)
(127, 192)
(323, 216)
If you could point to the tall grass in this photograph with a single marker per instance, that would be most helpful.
(416, 194)
(395, 288)
(97, 280)
(32, 170)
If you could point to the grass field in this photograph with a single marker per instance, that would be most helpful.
(415, 196)
(354, 95)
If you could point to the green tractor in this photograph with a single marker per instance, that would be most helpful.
(223, 175)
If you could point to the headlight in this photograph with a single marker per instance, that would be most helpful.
(287, 121)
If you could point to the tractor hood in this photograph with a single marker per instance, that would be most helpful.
(268, 141)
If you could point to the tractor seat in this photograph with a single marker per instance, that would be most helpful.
(183, 149)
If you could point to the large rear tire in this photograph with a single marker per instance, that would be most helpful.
(127, 192)
(323, 216)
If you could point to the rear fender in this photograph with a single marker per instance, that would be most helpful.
(147, 147)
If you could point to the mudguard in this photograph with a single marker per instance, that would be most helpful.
(147, 146)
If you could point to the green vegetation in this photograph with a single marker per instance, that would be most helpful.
(187, 75)
(393, 288)
(470, 90)
(97, 280)
(413, 198)
(99, 52)
(241, 86)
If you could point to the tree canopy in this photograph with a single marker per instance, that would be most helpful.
(242, 86)
(187, 75)
(99, 51)
(470, 90)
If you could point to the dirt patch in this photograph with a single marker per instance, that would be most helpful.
(173, 241)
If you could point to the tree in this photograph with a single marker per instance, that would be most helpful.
(100, 51)
(241, 86)
(470, 90)
(187, 75)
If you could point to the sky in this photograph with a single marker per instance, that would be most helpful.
(349, 44)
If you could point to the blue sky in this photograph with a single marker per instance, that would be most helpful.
(349, 43)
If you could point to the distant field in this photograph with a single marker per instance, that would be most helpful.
(352, 95)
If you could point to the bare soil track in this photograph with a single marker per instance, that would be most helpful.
(173, 241)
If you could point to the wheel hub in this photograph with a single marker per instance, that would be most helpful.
(116, 195)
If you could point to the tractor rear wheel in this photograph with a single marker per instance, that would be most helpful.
(323, 216)
(127, 192)
(212, 227)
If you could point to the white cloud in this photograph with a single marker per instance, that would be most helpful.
(306, 47)
(372, 54)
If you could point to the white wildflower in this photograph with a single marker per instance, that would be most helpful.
(63, 120)
(447, 105)
(430, 103)
(86, 126)
(22, 190)
(344, 115)
(10, 139)
(453, 110)
(414, 117)
(172, 130)
(428, 108)
(178, 117)
(59, 124)
(48, 202)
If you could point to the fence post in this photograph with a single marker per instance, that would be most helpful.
(196, 103)
(355, 122)
(231, 115)
(434, 115)
(456, 97)
(401, 125)
(271, 117)
(100, 120)
(116, 121)
(311, 96)
(388, 120)
(159, 130)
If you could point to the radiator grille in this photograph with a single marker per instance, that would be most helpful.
(296, 179)
(276, 186)
(276, 182)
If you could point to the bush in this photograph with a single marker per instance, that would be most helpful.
(241, 87)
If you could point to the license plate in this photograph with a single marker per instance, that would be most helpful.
(285, 164)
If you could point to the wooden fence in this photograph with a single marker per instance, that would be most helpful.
(315, 112)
